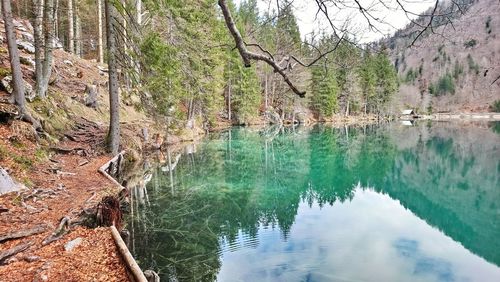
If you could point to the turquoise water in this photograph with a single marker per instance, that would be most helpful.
(388, 203)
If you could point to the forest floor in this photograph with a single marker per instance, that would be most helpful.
(59, 187)
(60, 173)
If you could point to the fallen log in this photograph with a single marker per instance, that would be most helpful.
(23, 233)
(13, 251)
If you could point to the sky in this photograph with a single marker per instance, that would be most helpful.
(393, 18)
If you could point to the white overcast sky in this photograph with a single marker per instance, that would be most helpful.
(394, 18)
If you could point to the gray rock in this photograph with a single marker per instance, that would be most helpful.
(91, 96)
(6, 84)
(29, 94)
(72, 244)
(7, 184)
(58, 44)
(27, 61)
(26, 46)
(28, 37)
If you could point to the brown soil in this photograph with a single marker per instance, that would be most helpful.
(60, 187)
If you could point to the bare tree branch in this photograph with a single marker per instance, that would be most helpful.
(247, 55)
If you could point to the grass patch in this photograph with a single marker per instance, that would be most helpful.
(471, 43)
(24, 162)
(495, 107)
(3, 153)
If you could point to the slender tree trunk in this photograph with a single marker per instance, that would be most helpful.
(56, 19)
(125, 74)
(49, 46)
(78, 30)
(38, 37)
(114, 98)
(99, 24)
(15, 65)
(138, 8)
(265, 91)
(229, 113)
(71, 36)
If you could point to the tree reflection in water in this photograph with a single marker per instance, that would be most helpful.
(242, 180)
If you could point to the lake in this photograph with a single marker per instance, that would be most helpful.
(369, 203)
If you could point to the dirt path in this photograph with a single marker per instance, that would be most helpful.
(62, 186)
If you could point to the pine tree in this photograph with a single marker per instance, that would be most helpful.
(325, 90)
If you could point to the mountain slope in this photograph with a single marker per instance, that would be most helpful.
(454, 68)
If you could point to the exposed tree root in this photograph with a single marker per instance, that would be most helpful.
(15, 250)
(60, 231)
(23, 233)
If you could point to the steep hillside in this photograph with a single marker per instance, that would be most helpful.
(453, 69)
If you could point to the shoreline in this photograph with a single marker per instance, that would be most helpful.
(101, 185)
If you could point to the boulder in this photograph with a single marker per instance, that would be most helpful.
(26, 46)
(91, 96)
(26, 36)
(29, 94)
(7, 184)
(68, 247)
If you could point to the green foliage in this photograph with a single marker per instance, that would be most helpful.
(471, 43)
(488, 25)
(3, 153)
(164, 73)
(458, 69)
(387, 81)
(432, 89)
(324, 90)
(473, 66)
(4, 72)
(411, 76)
(496, 106)
(246, 92)
(445, 85)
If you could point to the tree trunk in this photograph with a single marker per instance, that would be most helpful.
(138, 8)
(114, 99)
(71, 37)
(99, 24)
(78, 31)
(265, 91)
(229, 102)
(48, 15)
(38, 37)
(56, 19)
(15, 65)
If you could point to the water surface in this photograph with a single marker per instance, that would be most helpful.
(388, 203)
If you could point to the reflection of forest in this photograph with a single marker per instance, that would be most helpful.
(245, 179)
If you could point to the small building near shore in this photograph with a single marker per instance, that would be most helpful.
(408, 112)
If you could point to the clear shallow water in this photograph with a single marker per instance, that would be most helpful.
(390, 203)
